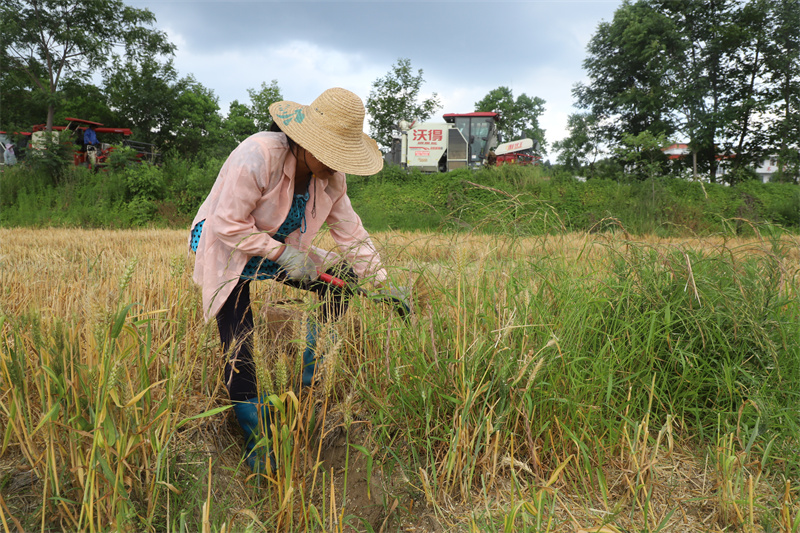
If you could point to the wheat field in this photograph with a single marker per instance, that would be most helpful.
(577, 382)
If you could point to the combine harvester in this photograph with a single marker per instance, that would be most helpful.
(462, 141)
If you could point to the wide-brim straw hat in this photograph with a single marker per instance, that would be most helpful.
(331, 128)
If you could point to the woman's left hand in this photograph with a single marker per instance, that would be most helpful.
(297, 264)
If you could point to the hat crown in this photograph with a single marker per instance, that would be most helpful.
(331, 129)
(339, 111)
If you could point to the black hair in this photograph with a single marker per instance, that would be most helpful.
(274, 127)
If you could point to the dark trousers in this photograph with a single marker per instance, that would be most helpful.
(235, 323)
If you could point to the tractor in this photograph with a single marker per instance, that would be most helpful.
(92, 156)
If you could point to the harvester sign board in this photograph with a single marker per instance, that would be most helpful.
(514, 146)
(426, 146)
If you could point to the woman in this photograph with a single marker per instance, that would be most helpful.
(272, 196)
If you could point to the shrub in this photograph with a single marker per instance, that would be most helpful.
(142, 210)
(145, 181)
(52, 160)
(121, 157)
(14, 180)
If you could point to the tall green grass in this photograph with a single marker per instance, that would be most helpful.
(526, 200)
(526, 362)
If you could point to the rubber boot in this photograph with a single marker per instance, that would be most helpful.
(255, 420)
(310, 353)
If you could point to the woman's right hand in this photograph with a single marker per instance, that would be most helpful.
(297, 265)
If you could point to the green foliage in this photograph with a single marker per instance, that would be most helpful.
(238, 125)
(532, 201)
(260, 102)
(121, 157)
(519, 118)
(518, 199)
(629, 63)
(189, 183)
(79, 99)
(394, 98)
(788, 166)
(783, 62)
(53, 158)
(194, 120)
(243, 120)
(141, 210)
(22, 179)
(642, 154)
(722, 74)
(21, 104)
(143, 93)
(581, 146)
(73, 39)
(144, 181)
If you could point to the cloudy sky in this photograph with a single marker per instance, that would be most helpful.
(465, 49)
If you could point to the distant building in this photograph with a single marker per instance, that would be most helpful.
(767, 168)
(764, 170)
(676, 151)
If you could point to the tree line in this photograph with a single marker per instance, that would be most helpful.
(722, 75)
(52, 49)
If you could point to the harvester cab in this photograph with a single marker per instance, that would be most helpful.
(480, 130)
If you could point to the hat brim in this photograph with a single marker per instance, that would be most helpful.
(357, 155)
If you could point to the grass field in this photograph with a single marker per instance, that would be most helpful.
(596, 382)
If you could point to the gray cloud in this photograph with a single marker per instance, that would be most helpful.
(464, 48)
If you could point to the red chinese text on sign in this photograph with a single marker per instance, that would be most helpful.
(427, 135)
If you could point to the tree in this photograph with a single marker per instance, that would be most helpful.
(394, 98)
(195, 125)
(782, 58)
(518, 118)
(53, 40)
(704, 80)
(84, 100)
(260, 102)
(238, 125)
(642, 154)
(709, 69)
(631, 64)
(746, 101)
(582, 145)
(19, 106)
(143, 93)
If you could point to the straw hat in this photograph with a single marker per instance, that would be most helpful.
(331, 128)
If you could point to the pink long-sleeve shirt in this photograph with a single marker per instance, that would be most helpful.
(248, 203)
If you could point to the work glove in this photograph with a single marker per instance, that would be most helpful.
(297, 265)
(399, 297)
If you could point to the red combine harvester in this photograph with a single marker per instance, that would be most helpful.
(92, 156)
(463, 140)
